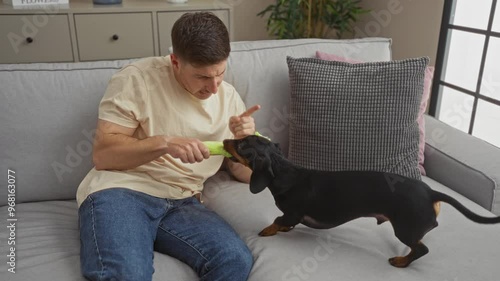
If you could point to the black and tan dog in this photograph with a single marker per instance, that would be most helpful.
(321, 199)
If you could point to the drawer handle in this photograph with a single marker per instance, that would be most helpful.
(115, 37)
(29, 40)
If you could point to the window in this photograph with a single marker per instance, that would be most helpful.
(466, 87)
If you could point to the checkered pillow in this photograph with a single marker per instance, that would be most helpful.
(356, 116)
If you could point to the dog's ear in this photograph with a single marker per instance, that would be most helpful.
(262, 175)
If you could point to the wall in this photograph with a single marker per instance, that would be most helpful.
(412, 24)
(247, 25)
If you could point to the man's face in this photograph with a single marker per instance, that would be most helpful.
(202, 82)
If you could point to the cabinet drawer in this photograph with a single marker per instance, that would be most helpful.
(114, 36)
(35, 38)
(166, 21)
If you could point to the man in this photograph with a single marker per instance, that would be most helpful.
(150, 162)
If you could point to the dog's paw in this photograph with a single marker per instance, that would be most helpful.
(268, 231)
(400, 262)
(273, 229)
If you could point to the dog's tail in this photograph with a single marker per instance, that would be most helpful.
(438, 196)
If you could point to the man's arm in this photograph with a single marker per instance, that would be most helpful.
(241, 126)
(116, 149)
(239, 171)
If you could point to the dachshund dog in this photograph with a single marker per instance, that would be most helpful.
(324, 199)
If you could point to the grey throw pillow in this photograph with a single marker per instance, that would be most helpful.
(356, 116)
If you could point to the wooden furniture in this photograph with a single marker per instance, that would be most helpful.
(82, 31)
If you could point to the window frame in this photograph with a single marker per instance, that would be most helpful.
(442, 54)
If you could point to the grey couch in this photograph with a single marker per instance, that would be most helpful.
(48, 114)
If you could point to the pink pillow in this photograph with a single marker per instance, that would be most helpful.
(429, 73)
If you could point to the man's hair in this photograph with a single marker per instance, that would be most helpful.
(200, 39)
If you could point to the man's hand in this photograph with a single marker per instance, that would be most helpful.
(187, 150)
(243, 125)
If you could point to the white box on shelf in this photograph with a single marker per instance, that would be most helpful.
(18, 3)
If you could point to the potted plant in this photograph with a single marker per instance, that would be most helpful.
(289, 19)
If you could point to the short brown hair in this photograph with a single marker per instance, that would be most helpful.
(200, 38)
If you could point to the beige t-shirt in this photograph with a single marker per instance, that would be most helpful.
(145, 95)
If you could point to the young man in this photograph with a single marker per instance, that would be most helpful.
(150, 162)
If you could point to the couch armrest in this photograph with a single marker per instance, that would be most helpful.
(463, 162)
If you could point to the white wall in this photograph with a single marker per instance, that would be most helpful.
(247, 25)
(413, 25)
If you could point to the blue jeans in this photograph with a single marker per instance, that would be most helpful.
(120, 229)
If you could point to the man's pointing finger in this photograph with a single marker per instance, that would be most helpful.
(250, 111)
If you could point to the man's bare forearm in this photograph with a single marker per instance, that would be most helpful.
(239, 171)
(121, 152)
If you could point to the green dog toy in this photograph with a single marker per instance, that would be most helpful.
(217, 148)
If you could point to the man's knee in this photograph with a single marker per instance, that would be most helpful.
(110, 248)
(246, 260)
(239, 260)
(119, 271)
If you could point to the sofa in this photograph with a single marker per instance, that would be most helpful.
(48, 117)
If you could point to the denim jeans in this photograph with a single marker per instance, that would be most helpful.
(120, 229)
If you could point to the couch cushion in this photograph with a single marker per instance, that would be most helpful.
(357, 250)
(48, 246)
(356, 116)
(49, 114)
(258, 71)
(429, 73)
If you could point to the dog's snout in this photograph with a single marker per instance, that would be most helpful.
(228, 144)
(231, 146)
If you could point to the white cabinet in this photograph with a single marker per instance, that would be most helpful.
(82, 31)
(114, 36)
(33, 38)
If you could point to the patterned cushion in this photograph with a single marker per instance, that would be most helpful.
(356, 116)
(429, 73)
